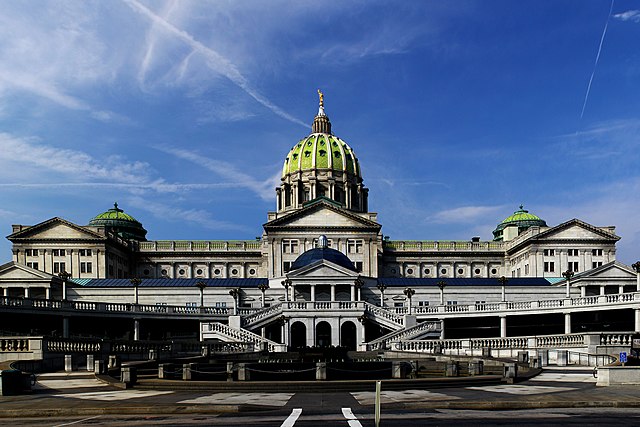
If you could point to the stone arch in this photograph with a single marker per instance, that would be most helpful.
(323, 334)
(298, 335)
(349, 336)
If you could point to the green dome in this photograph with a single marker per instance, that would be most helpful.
(123, 224)
(321, 151)
(520, 218)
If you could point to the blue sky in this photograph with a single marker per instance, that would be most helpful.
(183, 111)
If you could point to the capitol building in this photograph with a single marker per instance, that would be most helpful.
(323, 273)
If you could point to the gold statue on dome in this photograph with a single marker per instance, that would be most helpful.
(321, 95)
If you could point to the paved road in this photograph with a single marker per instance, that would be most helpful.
(78, 399)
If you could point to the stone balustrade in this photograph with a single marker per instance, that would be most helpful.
(200, 246)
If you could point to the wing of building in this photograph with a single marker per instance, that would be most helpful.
(321, 244)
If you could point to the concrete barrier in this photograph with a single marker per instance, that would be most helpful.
(321, 371)
(618, 375)
(14, 382)
(128, 375)
(510, 372)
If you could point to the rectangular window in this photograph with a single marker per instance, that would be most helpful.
(596, 252)
(423, 303)
(290, 246)
(286, 266)
(32, 265)
(358, 265)
(452, 302)
(549, 252)
(572, 252)
(526, 269)
(354, 246)
(86, 267)
(549, 267)
(58, 267)
(84, 252)
(31, 252)
(573, 266)
(221, 304)
(596, 264)
(480, 302)
(59, 252)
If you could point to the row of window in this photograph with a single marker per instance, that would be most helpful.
(443, 271)
(550, 266)
(571, 252)
(291, 246)
(57, 252)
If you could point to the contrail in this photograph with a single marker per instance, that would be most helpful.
(215, 60)
(595, 65)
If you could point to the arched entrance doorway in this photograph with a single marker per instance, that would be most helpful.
(298, 335)
(323, 334)
(348, 336)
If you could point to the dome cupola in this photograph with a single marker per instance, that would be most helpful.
(321, 165)
(121, 223)
(515, 224)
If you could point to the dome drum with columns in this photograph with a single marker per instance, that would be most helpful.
(321, 165)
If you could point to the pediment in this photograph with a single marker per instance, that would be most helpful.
(322, 269)
(322, 215)
(576, 229)
(55, 228)
(610, 271)
(13, 271)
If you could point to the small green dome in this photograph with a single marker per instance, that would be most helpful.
(123, 224)
(321, 151)
(520, 218)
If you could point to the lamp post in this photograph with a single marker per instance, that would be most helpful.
(135, 282)
(263, 288)
(64, 276)
(503, 284)
(381, 287)
(442, 284)
(235, 293)
(568, 275)
(636, 267)
(201, 284)
(286, 283)
(409, 294)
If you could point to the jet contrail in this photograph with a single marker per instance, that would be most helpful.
(215, 61)
(604, 32)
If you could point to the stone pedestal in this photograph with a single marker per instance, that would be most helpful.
(476, 367)
(229, 371)
(563, 358)
(128, 375)
(99, 367)
(68, 364)
(187, 370)
(321, 371)
(452, 369)
(90, 362)
(510, 371)
(243, 373)
(113, 361)
(523, 357)
(165, 370)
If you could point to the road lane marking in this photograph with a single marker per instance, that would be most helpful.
(353, 421)
(79, 421)
(293, 417)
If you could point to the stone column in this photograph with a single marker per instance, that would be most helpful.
(27, 294)
(5, 292)
(567, 323)
(353, 292)
(136, 329)
(47, 293)
(442, 335)
(636, 313)
(313, 293)
(333, 292)
(503, 326)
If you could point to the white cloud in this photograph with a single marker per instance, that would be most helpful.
(199, 217)
(465, 214)
(264, 189)
(629, 15)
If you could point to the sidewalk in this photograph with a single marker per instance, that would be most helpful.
(79, 393)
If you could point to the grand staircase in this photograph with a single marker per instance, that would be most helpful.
(419, 331)
(226, 333)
